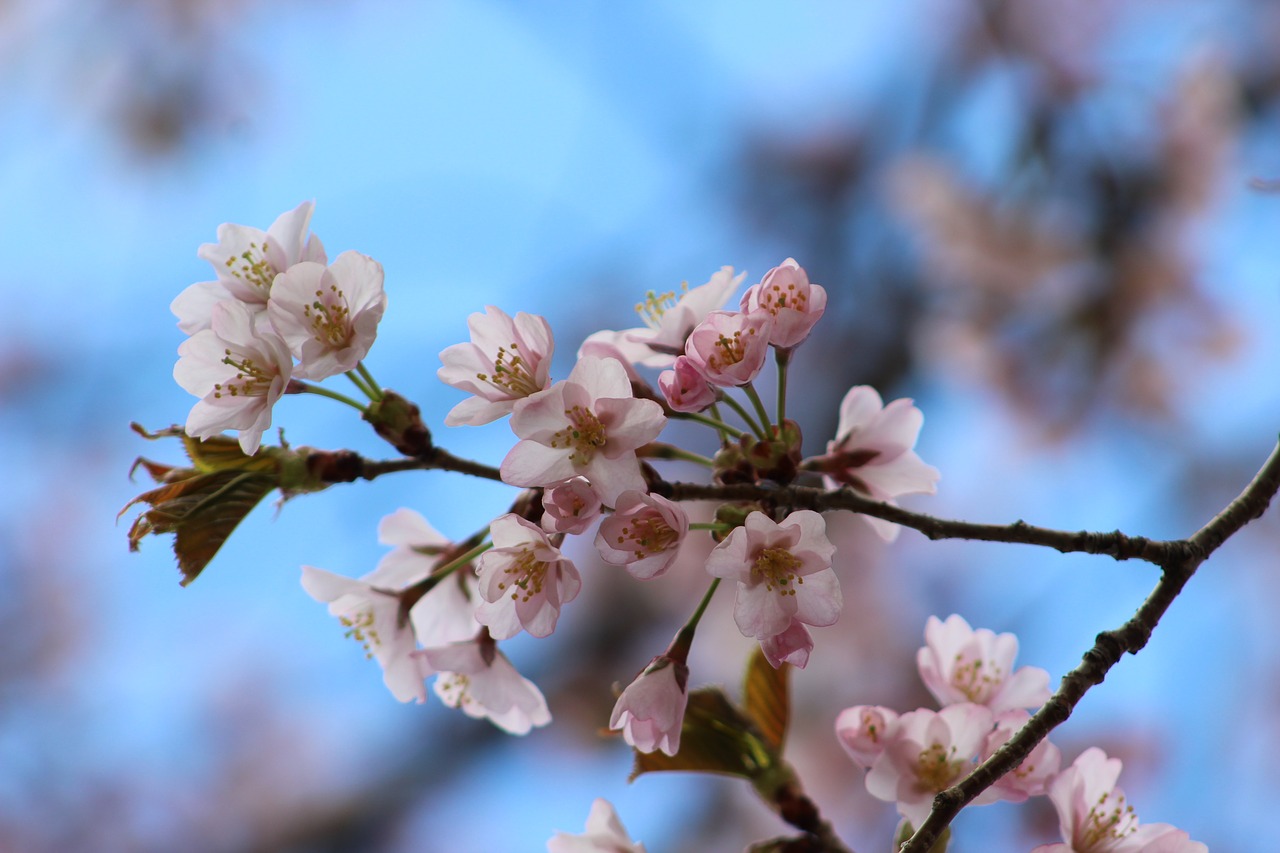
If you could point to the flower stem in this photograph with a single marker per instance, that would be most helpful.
(710, 525)
(360, 383)
(660, 450)
(746, 416)
(702, 607)
(711, 422)
(783, 358)
(458, 562)
(332, 395)
(760, 409)
(368, 377)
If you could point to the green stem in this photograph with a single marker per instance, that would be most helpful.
(746, 416)
(702, 607)
(332, 395)
(359, 383)
(783, 360)
(760, 409)
(368, 377)
(719, 425)
(458, 562)
(719, 526)
(724, 435)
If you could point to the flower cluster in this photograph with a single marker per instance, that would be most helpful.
(273, 300)
(279, 315)
(912, 757)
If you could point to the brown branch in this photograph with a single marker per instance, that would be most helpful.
(1180, 563)
(1114, 544)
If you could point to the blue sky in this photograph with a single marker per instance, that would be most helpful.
(559, 159)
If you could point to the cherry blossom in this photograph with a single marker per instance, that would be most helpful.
(247, 261)
(929, 752)
(604, 834)
(1031, 777)
(506, 361)
(1095, 817)
(864, 730)
(669, 318)
(237, 373)
(371, 611)
(873, 452)
(570, 507)
(373, 608)
(685, 388)
(728, 347)
(328, 316)
(790, 646)
(959, 664)
(783, 572)
(787, 296)
(588, 425)
(445, 613)
(523, 580)
(476, 677)
(644, 534)
(650, 712)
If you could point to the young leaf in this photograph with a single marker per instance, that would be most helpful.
(764, 694)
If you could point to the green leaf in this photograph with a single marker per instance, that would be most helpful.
(764, 693)
(715, 738)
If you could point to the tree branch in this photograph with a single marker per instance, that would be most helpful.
(1182, 559)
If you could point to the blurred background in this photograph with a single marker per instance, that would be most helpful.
(1052, 224)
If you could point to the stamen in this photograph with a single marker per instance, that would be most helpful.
(936, 767)
(657, 304)
(776, 567)
(526, 575)
(360, 628)
(585, 435)
(511, 374)
(976, 678)
(254, 268)
(728, 351)
(250, 380)
(648, 534)
(1111, 818)
(330, 317)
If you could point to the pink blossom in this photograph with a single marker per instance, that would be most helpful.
(873, 452)
(237, 373)
(570, 507)
(930, 752)
(790, 646)
(686, 389)
(864, 730)
(1095, 817)
(247, 261)
(783, 573)
(588, 425)
(644, 534)
(328, 316)
(604, 834)
(611, 344)
(373, 608)
(669, 318)
(728, 348)
(1031, 777)
(650, 712)
(445, 613)
(506, 361)
(523, 579)
(787, 296)
(476, 677)
(959, 664)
